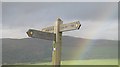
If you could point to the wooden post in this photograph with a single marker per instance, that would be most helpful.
(56, 56)
(54, 33)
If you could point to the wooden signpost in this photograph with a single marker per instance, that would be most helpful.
(64, 27)
(54, 33)
(40, 34)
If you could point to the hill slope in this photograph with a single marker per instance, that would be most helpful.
(38, 50)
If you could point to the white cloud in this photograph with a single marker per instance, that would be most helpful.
(89, 29)
(14, 33)
(97, 30)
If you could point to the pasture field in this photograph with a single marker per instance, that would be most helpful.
(73, 63)
(85, 62)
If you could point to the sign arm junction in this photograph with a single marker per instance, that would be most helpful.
(54, 33)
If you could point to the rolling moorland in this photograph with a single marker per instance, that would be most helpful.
(32, 51)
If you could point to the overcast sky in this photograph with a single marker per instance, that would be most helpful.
(99, 20)
(60, 0)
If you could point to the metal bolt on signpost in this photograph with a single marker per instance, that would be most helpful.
(54, 33)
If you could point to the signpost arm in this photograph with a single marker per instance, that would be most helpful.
(47, 33)
(56, 58)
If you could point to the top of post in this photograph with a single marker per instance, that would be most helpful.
(58, 19)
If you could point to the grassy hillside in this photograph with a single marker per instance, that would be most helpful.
(30, 50)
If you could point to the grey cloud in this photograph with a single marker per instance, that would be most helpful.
(0, 34)
(19, 14)
(118, 20)
(0, 12)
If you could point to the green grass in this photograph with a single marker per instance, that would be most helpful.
(72, 63)
(85, 62)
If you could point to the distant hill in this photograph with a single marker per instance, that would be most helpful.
(33, 50)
